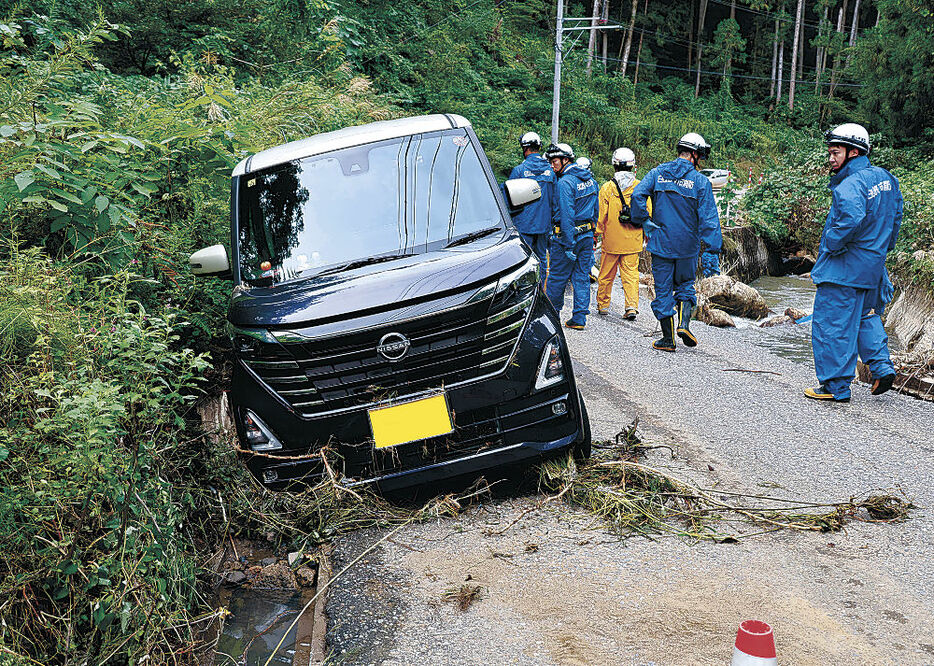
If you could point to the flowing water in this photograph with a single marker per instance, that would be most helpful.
(791, 341)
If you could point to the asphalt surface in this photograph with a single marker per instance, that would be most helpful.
(558, 589)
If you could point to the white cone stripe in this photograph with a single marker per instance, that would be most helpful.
(742, 659)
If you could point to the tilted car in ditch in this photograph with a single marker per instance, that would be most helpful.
(384, 307)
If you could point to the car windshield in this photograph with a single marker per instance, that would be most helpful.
(373, 202)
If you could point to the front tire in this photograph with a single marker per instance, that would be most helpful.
(584, 447)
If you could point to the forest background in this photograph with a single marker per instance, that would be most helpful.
(119, 126)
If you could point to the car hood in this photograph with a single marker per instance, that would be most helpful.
(442, 277)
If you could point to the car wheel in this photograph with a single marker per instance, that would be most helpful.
(582, 448)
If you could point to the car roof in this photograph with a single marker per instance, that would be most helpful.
(347, 137)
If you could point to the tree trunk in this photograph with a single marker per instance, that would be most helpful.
(794, 56)
(593, 35)
(691, 38)
(774, 60)
(632, 23)
(700, 44)
(606, 37)
(853, 29)
(819, 54)
(801, 45)
(635, 78)
(836, 64)
(781, 67)
(729, 61)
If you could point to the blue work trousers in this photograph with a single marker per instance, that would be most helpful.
(561, 270)
(674, 282)
(538, 243)
(844, 326)
(710, 264)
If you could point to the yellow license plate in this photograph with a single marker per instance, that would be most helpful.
(410, 421)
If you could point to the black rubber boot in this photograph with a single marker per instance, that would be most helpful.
(684, 320)
(667, 342)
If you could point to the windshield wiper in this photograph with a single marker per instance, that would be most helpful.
(473, 236)
(357, 263)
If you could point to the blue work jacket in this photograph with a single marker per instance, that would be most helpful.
(539, 216)
(861, 228)
(577, 202)
(684, 212)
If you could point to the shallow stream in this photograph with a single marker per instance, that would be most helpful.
(791, 341)
(258, 621)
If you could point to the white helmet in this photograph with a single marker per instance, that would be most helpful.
(625, 158)
(559, 150)
(694, 142)
(850, 135)
(531, 140)
(585, 162)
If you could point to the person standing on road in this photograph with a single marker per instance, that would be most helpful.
(622, 238)
(852, 284)
(684, 215)
(571, 248)
(534, 221)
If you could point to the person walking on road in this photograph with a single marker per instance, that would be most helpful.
(571, 250)
(684, 215)
(622, 238)
(535, 221)
(852, 284)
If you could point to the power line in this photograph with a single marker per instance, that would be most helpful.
(732, 75)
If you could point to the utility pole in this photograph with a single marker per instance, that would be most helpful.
(579, 25)
(556, 94)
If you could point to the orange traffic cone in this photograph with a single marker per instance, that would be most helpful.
(755, 645)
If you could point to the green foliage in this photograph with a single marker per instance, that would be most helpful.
(895, 61)
(91, 523)
(789, 207)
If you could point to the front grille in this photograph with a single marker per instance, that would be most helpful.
(346, 372)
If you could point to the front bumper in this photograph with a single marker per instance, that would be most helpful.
(498, 421)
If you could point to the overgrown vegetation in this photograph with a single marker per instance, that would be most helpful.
(117, 137)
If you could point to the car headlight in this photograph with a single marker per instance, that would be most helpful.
(524, 279)
(258, 435)
(551, 367)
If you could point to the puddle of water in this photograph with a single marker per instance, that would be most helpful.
(791, 341)
(259, 619)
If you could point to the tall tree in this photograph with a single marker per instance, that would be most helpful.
(774, 60)
(645, 12)
(632, 23)
(702, 14)
(794, 55)
(595, 17)
(853, 28)
(895, 62)
(728, 45)
(781, 66)
(691, 38)
(606, 17)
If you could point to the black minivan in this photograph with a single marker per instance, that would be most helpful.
(384, 307)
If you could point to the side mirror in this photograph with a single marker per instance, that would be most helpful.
(210, 261)
(521, 191)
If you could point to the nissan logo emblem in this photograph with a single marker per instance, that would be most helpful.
(393, 346)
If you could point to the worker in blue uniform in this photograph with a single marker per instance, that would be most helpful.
(571, 249)
(852, 284)
(684, 214)
(535, 221)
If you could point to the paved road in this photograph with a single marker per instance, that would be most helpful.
(557, 589)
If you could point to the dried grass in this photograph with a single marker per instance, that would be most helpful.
(634, 498)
